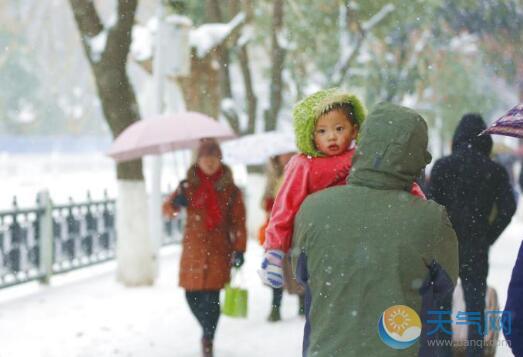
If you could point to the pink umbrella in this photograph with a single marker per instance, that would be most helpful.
(167, 133)
(510, 124)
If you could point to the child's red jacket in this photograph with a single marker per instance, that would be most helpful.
(304, 176)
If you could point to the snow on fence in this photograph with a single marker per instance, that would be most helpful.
(48, 239)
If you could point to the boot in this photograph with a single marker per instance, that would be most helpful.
(207, 350)
(275, 314)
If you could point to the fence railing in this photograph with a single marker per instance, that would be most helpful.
(51, 239)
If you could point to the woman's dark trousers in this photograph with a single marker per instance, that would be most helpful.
(205, 306)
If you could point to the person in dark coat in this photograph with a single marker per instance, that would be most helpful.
(514, 307)
(480, 203)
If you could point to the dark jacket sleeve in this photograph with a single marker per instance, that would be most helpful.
(505, 205)
(438, 184)
(514, 306)
(179, 198)
(176, 201)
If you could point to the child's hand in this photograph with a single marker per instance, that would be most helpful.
(271, 272)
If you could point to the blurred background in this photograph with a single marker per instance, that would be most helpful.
(64, 98)
(441, 57)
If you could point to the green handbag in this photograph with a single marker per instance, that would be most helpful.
(236, 300)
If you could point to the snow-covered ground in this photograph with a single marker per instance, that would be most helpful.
(95, 316)
(87, 313)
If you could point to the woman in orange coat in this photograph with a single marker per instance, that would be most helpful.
(215, 235)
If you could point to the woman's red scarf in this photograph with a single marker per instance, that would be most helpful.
(206, 197)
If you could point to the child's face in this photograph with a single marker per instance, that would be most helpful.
(334, 133)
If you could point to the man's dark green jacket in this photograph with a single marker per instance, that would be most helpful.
(366, 246)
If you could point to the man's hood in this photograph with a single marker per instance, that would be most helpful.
(466, 135)
(392, 150)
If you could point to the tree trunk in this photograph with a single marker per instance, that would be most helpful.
(202, 88)
(136, 264)
(243, 56)
(277, 59)
(252, 101)
(120, 109)
(214, 14)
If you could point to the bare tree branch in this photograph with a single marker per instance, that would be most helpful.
(215, 15)
(116, 94)
(120, 35)
(277, 58)
(86, 17)
(252, 100)
(347, 57)
(377, 18)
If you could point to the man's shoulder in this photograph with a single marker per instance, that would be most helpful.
(325, 196)
(322, 201)
(433, 208)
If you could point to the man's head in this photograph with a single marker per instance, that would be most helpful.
(392, 148)
(466, 135)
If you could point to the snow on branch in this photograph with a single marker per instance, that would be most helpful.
(142, 43)
(246, 36)
(209, 36)
(350, 45)
(97, 45)
(282, 40)
(346, 57)
(418, 48)
(378, 17)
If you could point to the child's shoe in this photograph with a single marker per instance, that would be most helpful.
(274, 315)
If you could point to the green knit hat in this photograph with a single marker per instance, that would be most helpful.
(306, 113)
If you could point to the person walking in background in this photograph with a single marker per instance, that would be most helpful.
(371, 244)
(274, 174)
(215, 235)
(480, 203)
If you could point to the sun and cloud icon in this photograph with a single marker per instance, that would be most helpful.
(399, 327)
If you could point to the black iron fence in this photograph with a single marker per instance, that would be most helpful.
(45, 240)
(20, 245)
